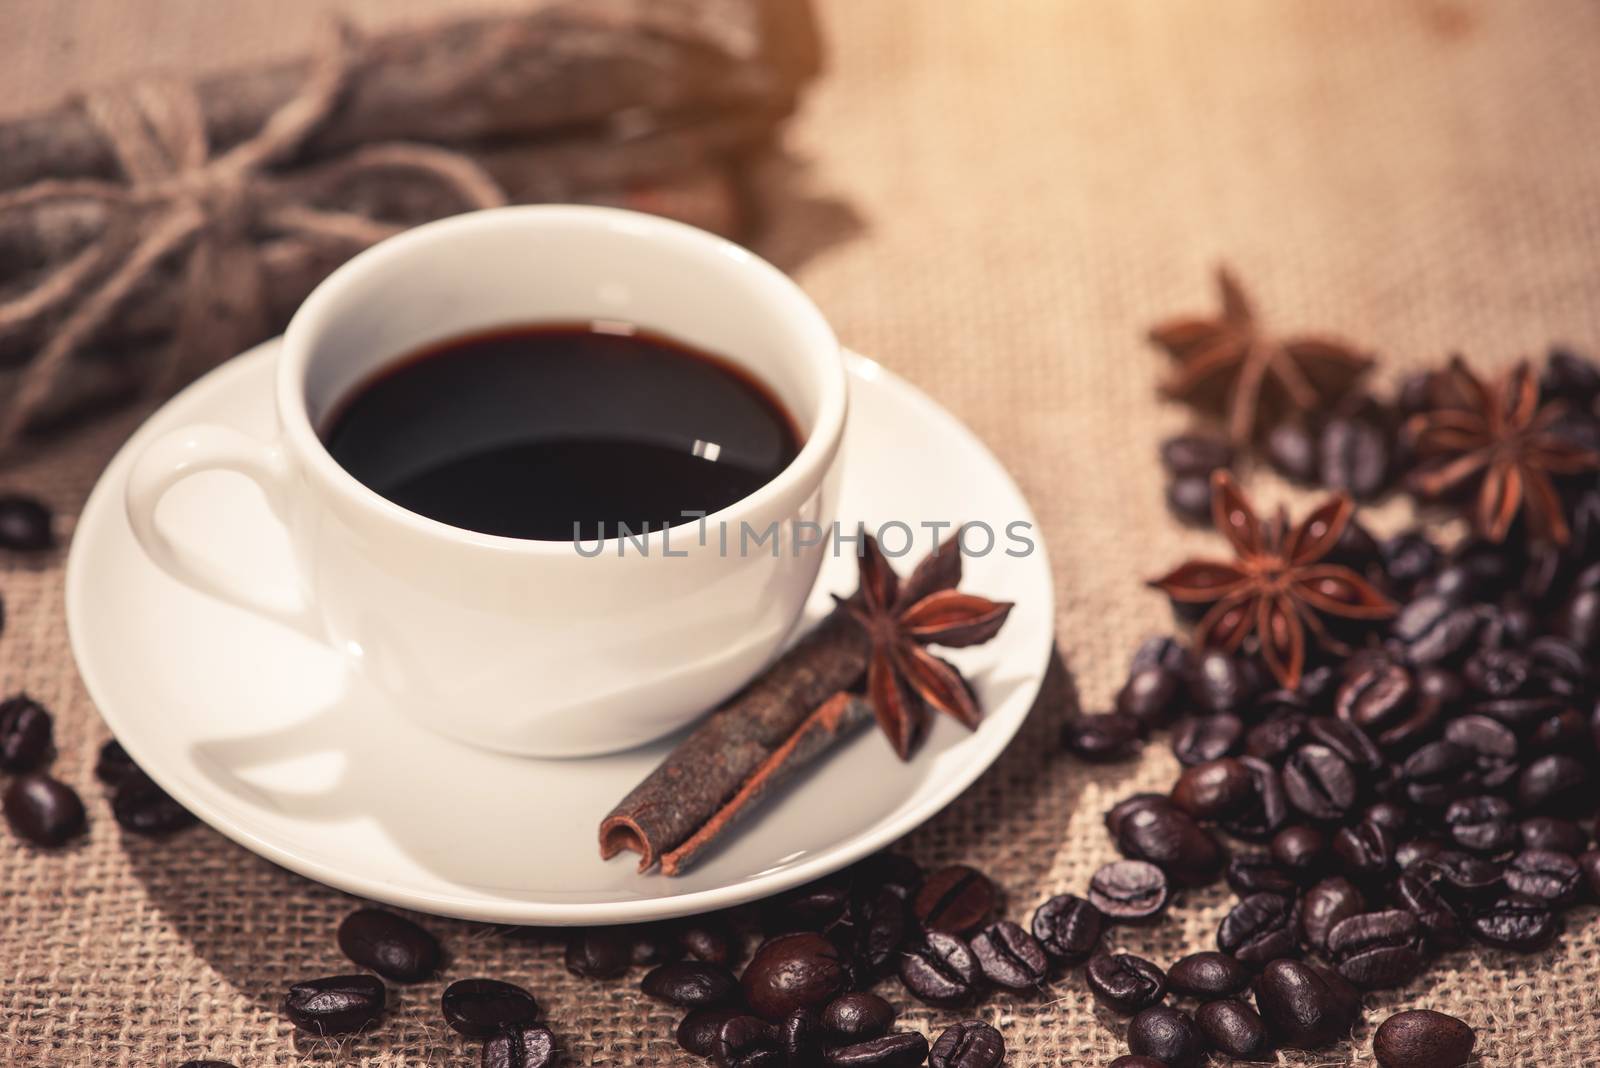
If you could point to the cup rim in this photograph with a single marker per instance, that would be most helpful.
(806, 469)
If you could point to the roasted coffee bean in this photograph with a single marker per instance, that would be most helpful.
(1377, 694)
(1422, 891)
(1069, 927)
(1010, 957)
(880, 924)
(1189, 498)
(1195, 454)
(1207, 975)
(1123, 983)
(856, 1017)
(478, 1008)
(25, 524)
(1548, 832)
(1551, 877)
(1101, 737)
(748, 1042)
(699, 1031)
(1268, 810)
(1235, 1029)
(800, 1039)
(893, 870)
(904, 1049)
(142, 807)
(1325, 904)
(1435, 628)
(650, 944)
(1348, 741)
(1353, 455)
(1483, 824)
(1305, 1006)
(692, 984)
(1408, 558)
(1275, 738)
(1412, 850)
(711, 939)
(1174, 842)
(1151, 697)
(1390, 816)
(1468, 878)
(1422, 1038)
(794, 971)
(1569, 376)
(1167, 1035)
(1163, 650)
(1213, 790)
(968, 1044)
(25, 733)
(1199, 739)
(113, 765)
(1558, 733)
(1259, 873)
(1589, 863)
(1365, 851)
(1292, 451)
(811, 907)
(940, 970)
(1377, 950)
(1260, 928)
(955, 900)
(520, 1047)
(1125, 891)
(1301, 850)
(1320, 783)
(1118, 814)
(1489, 741)
(390, 945)
(1433, 775)
(1556, 784)
(599, 952)
(335, 1005)
(1516, 922)
(42, 810)
(1221, 682)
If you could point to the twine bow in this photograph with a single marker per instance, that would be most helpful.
(179, 200)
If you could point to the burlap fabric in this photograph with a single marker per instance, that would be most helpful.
(1029, 184)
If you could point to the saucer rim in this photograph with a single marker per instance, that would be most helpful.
(476, 905)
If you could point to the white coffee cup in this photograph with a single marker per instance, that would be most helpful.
(532, 647)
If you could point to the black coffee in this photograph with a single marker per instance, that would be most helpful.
(552, 432)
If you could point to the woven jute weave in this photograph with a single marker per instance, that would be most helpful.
(1003, 195)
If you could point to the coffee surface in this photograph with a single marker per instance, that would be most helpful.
(555, 432)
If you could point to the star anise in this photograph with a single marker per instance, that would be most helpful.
(1277, 588)
(1502, 439)
(904, 680)
(1232, 364)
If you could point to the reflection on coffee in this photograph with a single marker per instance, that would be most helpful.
(556, 431)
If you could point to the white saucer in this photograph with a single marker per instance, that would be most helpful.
(265, 736)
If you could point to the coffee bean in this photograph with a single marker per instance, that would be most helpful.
(479, 1008)
(793, 971)
(748, 1042)
(520, 1047)
(1300, 850)
(1101, 737)
(1163, 650)
(1123, 983)
(1365, 851)
(1467, 878)
(1069, 928)
(880, 924)
(893, 870)
(1412, 850)
(1118, 814)
(1353, 455)
(1589, 863)
(390, 945)
(1268, 810)
(1516, 922)
(142, 807)
(1551, 877)
(1305, 1006)
(647, 944)
(1151, 696)
(1260, 928)
(1548, 832)
(1435, 629)
(1276, 737)
(25, 733)
(25, 524)
(599, 952)
(711, 939)
(1433, 775)
(905, 1049)
(1259, 873)
(1010, 957)
(940, 970)
(968, 1044)
(1220, 682)
(1320, 783)
(1235, 1029)
(1556, 784)
(1166, 1035)
(1291, 449)
(811, 907)
(800, 1038)
(1174, 842)
(1392, 817)
(1195, 454)
(699, 1031)
(1377, 693)
(1213, 790)
(335, 1005)
(1189, 497)
(1199, 739)
(1207, 975)
(42, 810)
(855, 1017)
(1483, 824)
(1422, 1038)
(955, 900)
(1127, 891)
(694, 984)
(1377, 950)
(1325, 904)
(113, 765)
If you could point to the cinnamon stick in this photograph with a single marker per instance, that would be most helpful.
(758, 737)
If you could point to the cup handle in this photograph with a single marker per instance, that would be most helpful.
(207, 447)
